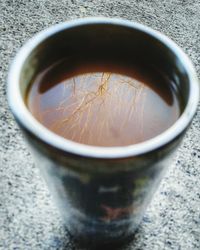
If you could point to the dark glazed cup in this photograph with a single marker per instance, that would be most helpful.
(102, 192)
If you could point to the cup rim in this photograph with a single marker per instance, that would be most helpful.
(25, 118)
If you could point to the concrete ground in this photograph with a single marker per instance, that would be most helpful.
(28, 217)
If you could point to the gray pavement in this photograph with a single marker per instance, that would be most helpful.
(28, 216)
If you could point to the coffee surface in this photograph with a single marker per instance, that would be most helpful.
(103, 103)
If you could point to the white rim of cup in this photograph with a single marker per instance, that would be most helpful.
(24, 116)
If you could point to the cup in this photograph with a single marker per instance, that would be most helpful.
(102, 192)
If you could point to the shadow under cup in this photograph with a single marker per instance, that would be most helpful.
(102, 192)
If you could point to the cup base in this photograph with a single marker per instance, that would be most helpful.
(99, 242)
(96, 236)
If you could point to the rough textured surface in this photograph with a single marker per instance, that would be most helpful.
(28, 217)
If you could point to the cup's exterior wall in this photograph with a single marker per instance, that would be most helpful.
(101, 198)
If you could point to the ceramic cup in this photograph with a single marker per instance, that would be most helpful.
(102, 192)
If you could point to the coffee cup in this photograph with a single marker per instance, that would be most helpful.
(101, 192)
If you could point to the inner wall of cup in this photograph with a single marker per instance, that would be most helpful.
(111, 41)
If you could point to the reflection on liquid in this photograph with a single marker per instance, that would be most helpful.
(103, 104)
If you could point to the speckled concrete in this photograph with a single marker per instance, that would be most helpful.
(28, 217)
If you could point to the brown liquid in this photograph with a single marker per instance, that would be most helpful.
(103, 104)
